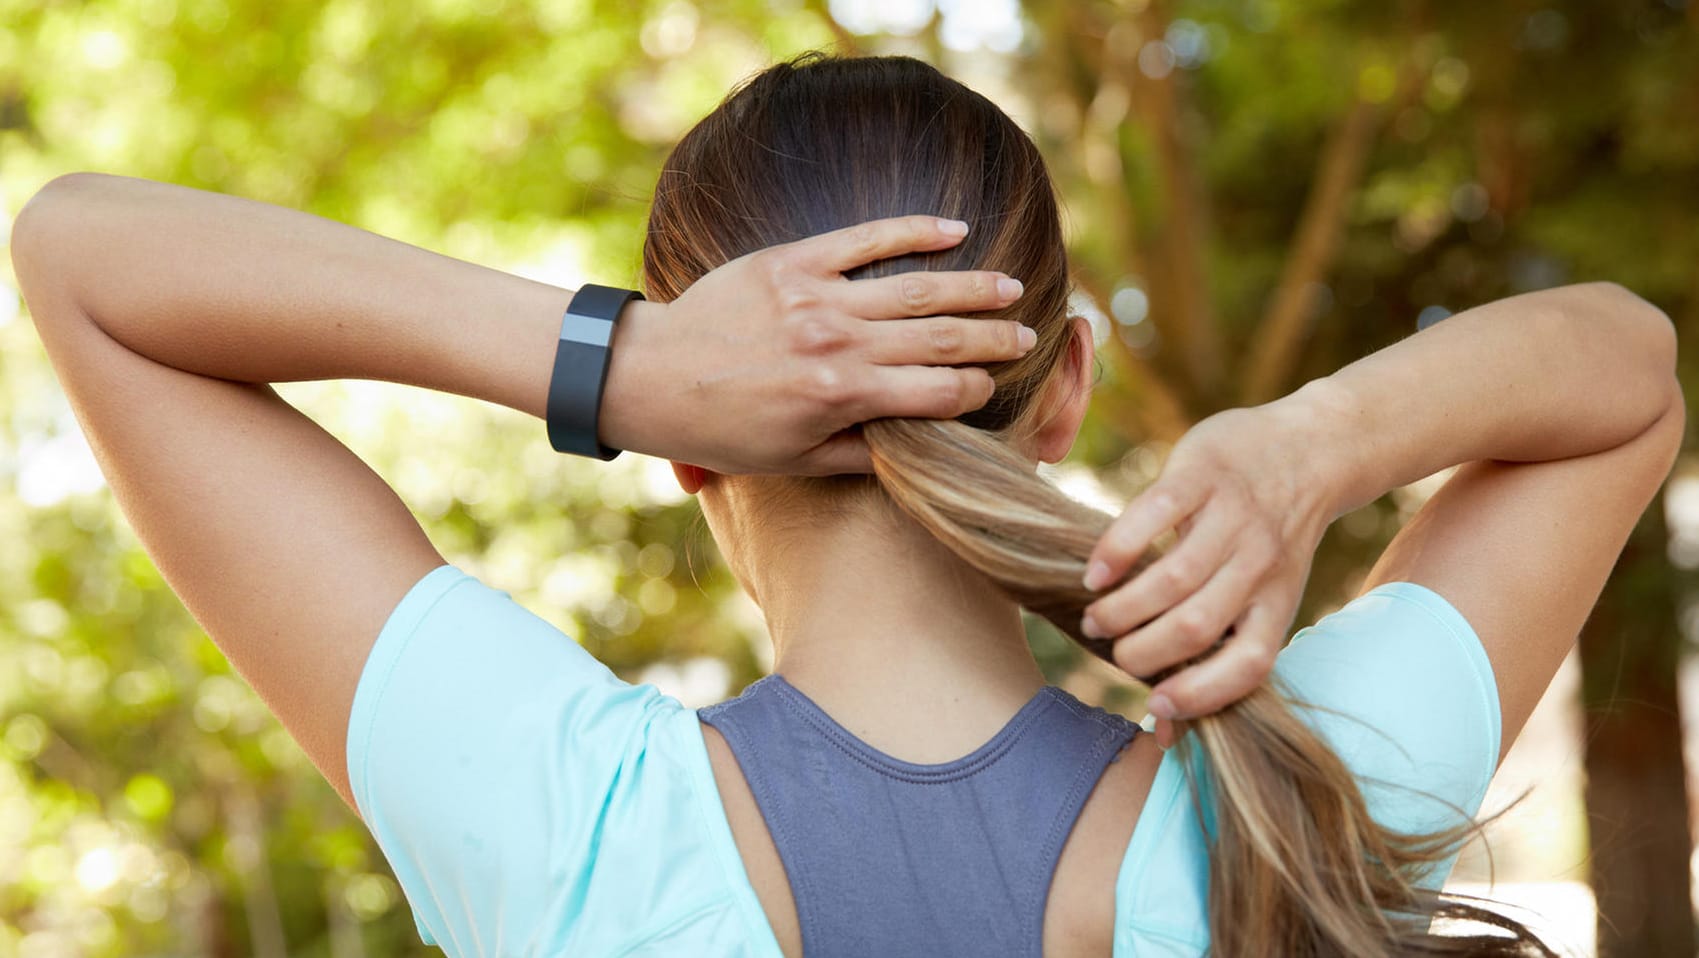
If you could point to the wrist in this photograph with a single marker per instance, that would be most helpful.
(626, 414)
(1329, 422)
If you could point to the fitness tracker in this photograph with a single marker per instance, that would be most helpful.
(581, 370)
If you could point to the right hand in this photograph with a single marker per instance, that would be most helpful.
(1242, 489)
(764, 364)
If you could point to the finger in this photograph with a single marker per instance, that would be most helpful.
(1241, 665)
(925, 294)
(947, 341)
(845, 249)
(1166, 582)
(844, 453)
(1192, 627)
(1166, 734)
(926, 392)
(1153, 512)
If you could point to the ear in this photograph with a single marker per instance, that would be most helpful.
(1068, 396)
(690, 478)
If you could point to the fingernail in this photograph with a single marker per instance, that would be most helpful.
(1160, 707)
(952, 227)
(1096, 575)
(1028, 337)
(1088, 627)
(1009, 288)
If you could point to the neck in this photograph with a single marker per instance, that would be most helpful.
(895, 637)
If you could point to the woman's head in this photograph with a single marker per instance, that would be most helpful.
(818, 144)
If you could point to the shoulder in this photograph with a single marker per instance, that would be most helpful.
(527, 798)
(1162, 893)
(1400, 686)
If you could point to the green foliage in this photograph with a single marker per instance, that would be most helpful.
(149, 804)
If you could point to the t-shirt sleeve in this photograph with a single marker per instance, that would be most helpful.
(513, 782)
(1398, 683)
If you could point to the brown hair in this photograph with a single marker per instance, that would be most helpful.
(1297, 865)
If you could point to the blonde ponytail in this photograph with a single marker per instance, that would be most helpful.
(1023, 533)
(1297, 865)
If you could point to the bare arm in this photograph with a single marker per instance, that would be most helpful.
(1548, 375)
(1570, 393)
(1558, 463)
(165, 312)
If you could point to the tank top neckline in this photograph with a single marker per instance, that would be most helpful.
(977, 760)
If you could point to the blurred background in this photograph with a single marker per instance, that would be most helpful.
(1257, 192)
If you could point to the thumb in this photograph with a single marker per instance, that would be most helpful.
(1165, 734)
(844, 453)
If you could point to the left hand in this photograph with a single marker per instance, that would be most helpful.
(1242, 489)
(764, 363)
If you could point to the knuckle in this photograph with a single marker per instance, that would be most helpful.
(916, 293)
(1123, 536)
(796, 297)
(1127, 658)
(1177, 573)
(1162, 503)
(950, 393)
(864, 239)
(1266, 555)
(946, 340)
(827, 384)
(816, 336)
(1258, 661)
(777, 267)
(979, 287)
(1197, 647)
(1011, 337)
(1194, 626)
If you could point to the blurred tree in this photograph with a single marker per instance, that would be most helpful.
(1336, 174)
(1259, 191)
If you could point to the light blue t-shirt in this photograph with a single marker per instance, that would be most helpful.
(533, 803)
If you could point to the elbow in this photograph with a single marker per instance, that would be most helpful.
(50, 205)
(1650, 329)
(1677, 406)
(29, 230)
(41, 244)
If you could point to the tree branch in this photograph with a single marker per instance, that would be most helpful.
(1174, 231)
(1321, 224)
(1283, 328)
(933, 38)
(1147, 404)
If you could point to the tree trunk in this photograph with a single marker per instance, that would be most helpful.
(1636, 789)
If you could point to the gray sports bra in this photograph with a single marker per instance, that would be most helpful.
(887, 857)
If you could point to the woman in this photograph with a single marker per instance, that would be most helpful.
(905, 783)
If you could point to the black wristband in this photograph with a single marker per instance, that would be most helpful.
(581, 370)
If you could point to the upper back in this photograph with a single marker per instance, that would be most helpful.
(884, 856)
